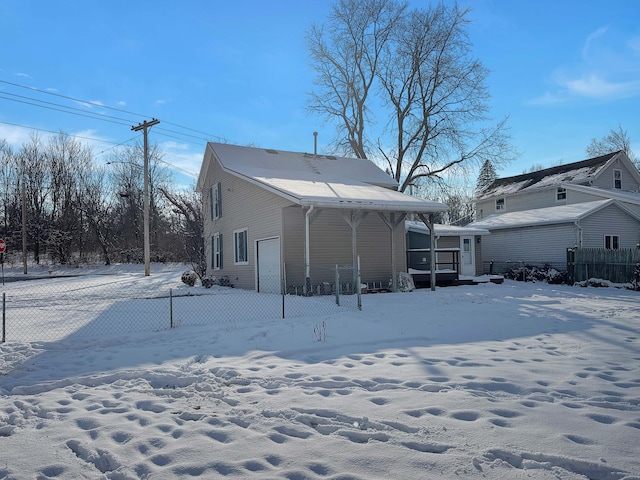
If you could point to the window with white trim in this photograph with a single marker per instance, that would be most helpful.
(500, 204)
(215, 201)
(617, 179)
(611, 242)
(561, 194)
(240, 247)
(216, 252)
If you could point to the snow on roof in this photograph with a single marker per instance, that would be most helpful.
(541, 216)
(576, 173)
(320, 180)
(444, 230)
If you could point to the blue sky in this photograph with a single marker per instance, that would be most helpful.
(564, 71)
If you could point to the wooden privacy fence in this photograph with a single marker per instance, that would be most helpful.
(617, 266)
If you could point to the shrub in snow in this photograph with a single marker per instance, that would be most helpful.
(531, 273)
(405, 282)
(209, 281)
(189, 277)
(635, 283)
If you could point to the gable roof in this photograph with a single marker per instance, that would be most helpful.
(577, 173)
(318, 180)
(547, 216)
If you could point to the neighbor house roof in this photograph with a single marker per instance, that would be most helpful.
(576, 173)
(318, 180)
(547, 216)
(444, 230)
(627, 197)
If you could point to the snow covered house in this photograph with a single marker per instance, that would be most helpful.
(276, 219)
(534, 217)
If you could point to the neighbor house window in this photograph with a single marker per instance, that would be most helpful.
(617, 179)
(241, 255)
(216, 257)
(499, 204)
(561, 194)
(215, 199)
(611, 242)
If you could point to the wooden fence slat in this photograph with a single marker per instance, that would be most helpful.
(617, 266)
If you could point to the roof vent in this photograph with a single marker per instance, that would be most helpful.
(330, 157)
(271, 151)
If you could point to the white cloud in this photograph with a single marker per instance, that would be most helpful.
(594, 86)
(160, 102)
(591, 38)
(15, 136)
(607, 70)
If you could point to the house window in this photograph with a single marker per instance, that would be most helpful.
(216, 254)
(611, 242)
(215, 199)
(561, 194)
(617, 179)
(241, 256)
(499, 204)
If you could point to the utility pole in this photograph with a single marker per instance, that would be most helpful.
(144, 126)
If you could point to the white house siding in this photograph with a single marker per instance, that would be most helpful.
(611, 220)
(521, 201)
(243, 205)
(581, 197)
(539, 245)
(605, 179)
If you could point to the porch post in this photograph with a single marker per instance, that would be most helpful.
(429, 222)
(353, 220)
(392, 223)
(307, 254)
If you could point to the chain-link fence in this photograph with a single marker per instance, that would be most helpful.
(52, 309)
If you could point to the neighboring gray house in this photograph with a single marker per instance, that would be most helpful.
(272, 216)
(533, 218)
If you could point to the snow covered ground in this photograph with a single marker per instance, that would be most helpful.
(490, 381)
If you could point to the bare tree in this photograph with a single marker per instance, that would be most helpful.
(430, 91)
(188, 206)
(614, 141)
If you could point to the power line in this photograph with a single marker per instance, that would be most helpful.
(97, 114)
(88, 102)
(113, 144)
(70, 135)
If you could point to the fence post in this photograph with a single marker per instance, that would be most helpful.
(337, 283)
(359, 290)
(4, 319)
(170, 308)
(284, 286)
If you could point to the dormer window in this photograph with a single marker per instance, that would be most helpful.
(500, 204)
(561, 194)
(617, 179)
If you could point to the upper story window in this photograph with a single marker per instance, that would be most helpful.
(240, 244)
(617, 179)
(611, 242)
(500, 205)
(215, 199)
(561, 194)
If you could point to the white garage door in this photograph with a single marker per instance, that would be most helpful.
(269, 265)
